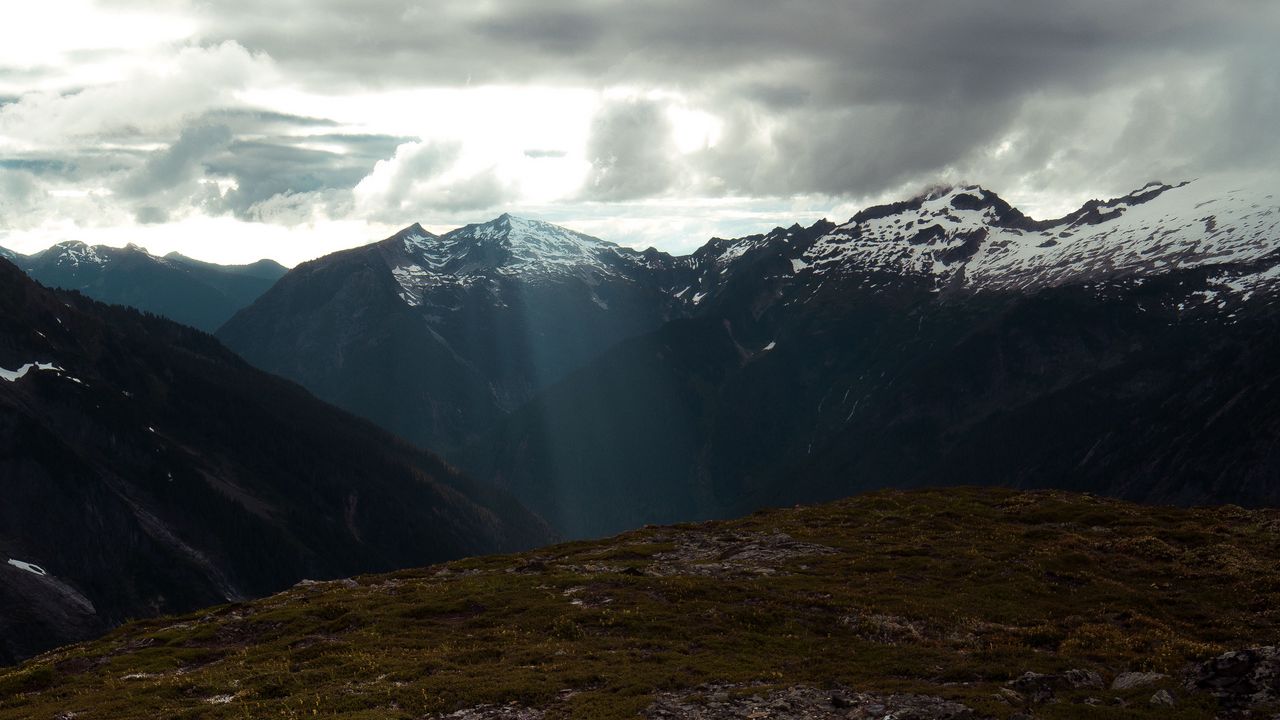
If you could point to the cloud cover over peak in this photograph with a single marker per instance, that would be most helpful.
(725, 115)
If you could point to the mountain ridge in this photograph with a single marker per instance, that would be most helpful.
(822, 327)
(169, 474)
(193, 292)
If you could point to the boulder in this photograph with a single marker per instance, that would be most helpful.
(1131, 680)
(1240, 678)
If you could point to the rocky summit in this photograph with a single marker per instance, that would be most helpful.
(929, 605)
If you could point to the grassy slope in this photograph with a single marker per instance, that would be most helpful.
(949, 593)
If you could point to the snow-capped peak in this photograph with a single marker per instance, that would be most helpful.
(74, 253)
(531, 241)
(508, 245)
(971, 236)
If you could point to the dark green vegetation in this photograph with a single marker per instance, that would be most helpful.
(154, 471)
(200, 294)
(950, 593)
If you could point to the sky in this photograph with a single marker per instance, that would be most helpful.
(233, 130)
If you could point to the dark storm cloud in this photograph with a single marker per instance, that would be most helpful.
(846, 98)
(891, 47)
(560, 32)
(834, 96)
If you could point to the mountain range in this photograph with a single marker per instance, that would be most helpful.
(200, 294)
(1126, 348)
(146, 469)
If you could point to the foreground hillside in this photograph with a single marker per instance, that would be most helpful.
(927, 604)
(147, 470)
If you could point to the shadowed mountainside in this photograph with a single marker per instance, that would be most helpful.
(149, 470)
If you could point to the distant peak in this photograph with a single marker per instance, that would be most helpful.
(507, 227)
(415, 229)
(74, 252)
(414, 237)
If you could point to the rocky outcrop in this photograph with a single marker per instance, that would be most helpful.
(1039, 688)
(1131, 680)
(1241, 678)
(729, 702)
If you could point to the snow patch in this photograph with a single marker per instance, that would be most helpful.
(29, 567)
(15, 375)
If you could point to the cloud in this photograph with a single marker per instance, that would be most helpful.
(179, 164)
(19, 190)
(289, 112)
(832, 96)
(153, 100)
(631, 151)
(295, 167)
(425, 179)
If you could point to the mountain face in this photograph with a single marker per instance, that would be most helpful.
(436, 338)
(146, 469)
(1127, 348)
(202, 295)
(947, 604)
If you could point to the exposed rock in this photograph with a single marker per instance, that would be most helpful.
(342, 582)
(1131, 680)
(1009, 695)
(1040, 687)
(510, 711)
(1083, 679)
(722, 554)
(729, 702)
(1240, 678)
(1162, 698)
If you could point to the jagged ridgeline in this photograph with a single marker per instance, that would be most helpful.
(200, 294)
(953, 604)
(146, 469)
(1127, 348)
